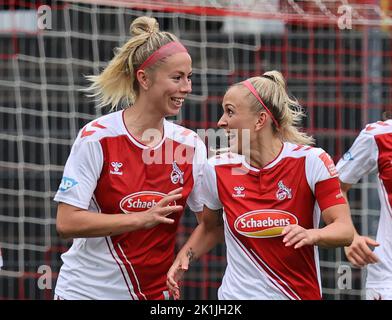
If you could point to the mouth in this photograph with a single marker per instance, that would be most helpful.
(177, 101)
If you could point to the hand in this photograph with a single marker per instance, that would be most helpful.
(158, 214)
(295, 234)
(359, 253)
(175, 273)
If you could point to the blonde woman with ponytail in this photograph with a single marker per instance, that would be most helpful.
(266, 198)
(130, 174)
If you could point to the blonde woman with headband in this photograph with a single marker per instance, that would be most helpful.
(123, 191)
(266, 200)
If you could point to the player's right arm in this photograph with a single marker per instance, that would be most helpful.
(74, 222)
(359, 252)
(360, 159)
(205, 237)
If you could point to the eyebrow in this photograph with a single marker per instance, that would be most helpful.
(228, 104)
(182, 73)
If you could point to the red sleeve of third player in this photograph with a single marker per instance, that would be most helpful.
(328, 193)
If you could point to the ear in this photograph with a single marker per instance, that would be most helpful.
(261, 121)
(143, 79)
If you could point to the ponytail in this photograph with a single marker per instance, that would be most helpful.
(117, 85)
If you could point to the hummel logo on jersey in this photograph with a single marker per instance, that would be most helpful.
(116, 167)
(283, 191)
(176, 175)
(238, 192)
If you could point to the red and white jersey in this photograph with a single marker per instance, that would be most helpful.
(257, 205)
(109, 171)
(371, 152)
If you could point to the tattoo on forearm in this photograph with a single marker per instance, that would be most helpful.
(190, 254)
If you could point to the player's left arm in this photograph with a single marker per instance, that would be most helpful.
(339, 230)
(324, 182)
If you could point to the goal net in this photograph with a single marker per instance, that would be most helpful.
(335, 54)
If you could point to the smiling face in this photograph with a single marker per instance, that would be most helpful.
(238, 119)
(171, 83)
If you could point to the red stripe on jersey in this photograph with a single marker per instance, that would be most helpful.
(328, 193)
(125, 279)
(384, 144)
(131, 272)
(97, 125)
(86, 133)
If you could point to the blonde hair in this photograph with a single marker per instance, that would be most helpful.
(117, 84)
(271, 88)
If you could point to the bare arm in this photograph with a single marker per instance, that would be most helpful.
(74, 222)
(339, 230)
(206, 235)
(359, 252)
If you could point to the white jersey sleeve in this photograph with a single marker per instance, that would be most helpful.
(199, 160)
(319, 166)
(359, 160)
(81, 173)
(209, 192)
(1, 260)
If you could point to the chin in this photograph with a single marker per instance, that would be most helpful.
(173, 112)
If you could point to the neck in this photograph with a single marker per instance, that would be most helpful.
(138, 119)
(264, 151)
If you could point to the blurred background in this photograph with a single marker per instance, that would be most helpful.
(335, 54)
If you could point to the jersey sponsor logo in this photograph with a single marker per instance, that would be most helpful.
(328, 162)
(238, 192)
(141, 201)
(283, 191)
(348, 156)
(176, 176)
(67, 183)
(116, 168)
(265, 223)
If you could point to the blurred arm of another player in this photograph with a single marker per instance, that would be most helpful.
(359, 252)
(206, 236)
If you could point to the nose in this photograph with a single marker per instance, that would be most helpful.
(186, 86)
(222, 123)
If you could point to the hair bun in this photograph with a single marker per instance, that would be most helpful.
(275, 76)
(142, 25)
